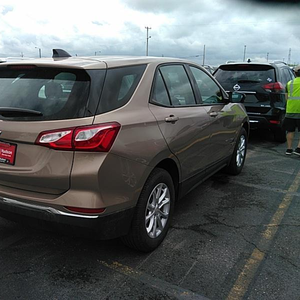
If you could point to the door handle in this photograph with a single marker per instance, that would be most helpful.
(213, 114)
(171, 119)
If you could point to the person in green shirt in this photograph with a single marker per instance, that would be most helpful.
(292, 116)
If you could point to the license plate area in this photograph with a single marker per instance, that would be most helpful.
(7, 153)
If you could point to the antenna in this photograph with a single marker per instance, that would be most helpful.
(60, 53)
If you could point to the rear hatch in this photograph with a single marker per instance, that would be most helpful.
(34, 99)
(257, 81)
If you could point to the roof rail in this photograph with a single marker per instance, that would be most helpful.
(60, 53)
(279, 62)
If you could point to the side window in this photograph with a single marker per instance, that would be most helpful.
(126, 84)
(285, 76)
(160, 94)
(119, 86)
(289, 74)
(178, 85)
(209, 90)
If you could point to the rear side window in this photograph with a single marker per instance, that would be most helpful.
(160, 94)
(232, 74)
(56, 93)
(119, 86)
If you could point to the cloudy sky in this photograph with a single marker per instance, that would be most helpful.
(179, 28)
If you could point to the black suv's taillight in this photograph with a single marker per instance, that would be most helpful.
(275, 87)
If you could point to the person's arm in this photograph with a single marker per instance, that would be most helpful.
(286, 92)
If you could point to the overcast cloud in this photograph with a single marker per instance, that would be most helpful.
(178, 28)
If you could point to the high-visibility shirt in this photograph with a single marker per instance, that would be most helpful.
(293, 100)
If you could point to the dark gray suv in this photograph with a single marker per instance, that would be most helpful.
(264, 86)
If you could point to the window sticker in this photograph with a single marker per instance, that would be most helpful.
(270, 79)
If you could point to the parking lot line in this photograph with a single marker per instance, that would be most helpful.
(158, 284)
(246, 276)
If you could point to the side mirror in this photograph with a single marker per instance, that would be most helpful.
(236, 97)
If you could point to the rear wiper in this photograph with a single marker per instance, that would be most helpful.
(18, 112)
(248, 80)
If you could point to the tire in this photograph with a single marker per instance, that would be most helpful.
(280, 135)
(151, 221)
(239, 154)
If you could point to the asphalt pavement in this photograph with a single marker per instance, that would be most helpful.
(234, 237)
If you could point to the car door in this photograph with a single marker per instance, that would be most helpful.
(183, 123)
(223, 121)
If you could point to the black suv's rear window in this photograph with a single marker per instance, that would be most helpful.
(232, 74)
(55, 93)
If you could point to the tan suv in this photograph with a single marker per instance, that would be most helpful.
(107, 144)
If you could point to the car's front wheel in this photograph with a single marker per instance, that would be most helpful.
(153, 212)
(239, 154)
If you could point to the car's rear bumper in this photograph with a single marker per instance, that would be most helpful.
(94, 226)
(264, 122)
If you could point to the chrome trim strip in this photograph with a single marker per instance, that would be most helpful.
(253, 121)
(44, 208)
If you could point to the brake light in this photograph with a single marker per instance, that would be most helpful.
(97, 138)
(86, 210)
(274, 122)
(21, 67)
(276, 87)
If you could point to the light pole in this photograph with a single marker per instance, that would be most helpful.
(245, 46)
(203, 55)
(267, 56)
(97, 52)
(40, 51)
(148, 37)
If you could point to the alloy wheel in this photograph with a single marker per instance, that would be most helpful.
(241, 150)
(157, 210)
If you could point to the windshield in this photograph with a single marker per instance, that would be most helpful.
(53, 93)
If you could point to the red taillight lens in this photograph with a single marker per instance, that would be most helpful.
(96, 138)
(86, 210)
(86, 138)
(57, 139)
(274, 122)
(276, 87)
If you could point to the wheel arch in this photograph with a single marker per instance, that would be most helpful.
(246, 126)
(171, 167)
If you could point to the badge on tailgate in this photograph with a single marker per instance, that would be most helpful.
(7, 153)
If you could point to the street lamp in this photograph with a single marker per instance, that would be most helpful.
(245, 46)
(40, 51)
(148, 37)
(267, 56)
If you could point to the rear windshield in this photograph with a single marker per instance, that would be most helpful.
(55, 93)
(245, 73)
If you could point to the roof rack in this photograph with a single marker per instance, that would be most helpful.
(60, 53)
(279, 62)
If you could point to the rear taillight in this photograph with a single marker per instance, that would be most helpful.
(85, 138)
(274, 122)
(276, 87)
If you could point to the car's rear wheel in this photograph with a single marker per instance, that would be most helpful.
(153, 212)
(239, 154)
